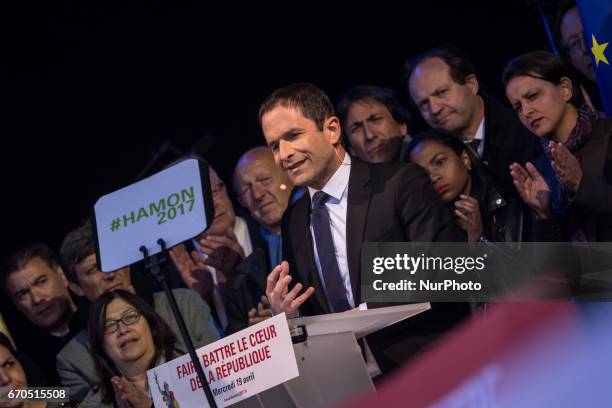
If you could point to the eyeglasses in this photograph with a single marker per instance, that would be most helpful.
(127, 319)
(576, 44)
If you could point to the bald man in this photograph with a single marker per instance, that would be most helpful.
(264, 190)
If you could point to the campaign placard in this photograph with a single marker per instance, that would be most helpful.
(173, 205)
(236, 367)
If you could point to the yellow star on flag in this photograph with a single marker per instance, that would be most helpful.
(598, 52)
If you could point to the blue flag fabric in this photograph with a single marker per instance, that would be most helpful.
(596, 18)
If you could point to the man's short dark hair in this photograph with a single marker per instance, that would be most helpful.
(308, 98)
(459, 64)
(20, 258)
(78, 245)
(384, 96)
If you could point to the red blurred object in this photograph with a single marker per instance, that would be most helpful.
(475, 363)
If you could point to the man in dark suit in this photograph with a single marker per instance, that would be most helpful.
(347, 202)
(264, 190)
(35, 282)
(443, 85)
(374, 123)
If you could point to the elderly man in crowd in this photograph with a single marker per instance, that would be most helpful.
(264, 190)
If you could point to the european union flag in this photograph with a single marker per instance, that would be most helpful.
(597, 22)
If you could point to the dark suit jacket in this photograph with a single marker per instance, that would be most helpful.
(244, 289)
(506, 141)
(594, 195)
(390, 202)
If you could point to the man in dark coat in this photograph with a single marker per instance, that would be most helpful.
(443, 85)
(347, 202)
(264, 190)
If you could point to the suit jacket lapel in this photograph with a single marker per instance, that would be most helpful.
(304, 253)
(359, 195)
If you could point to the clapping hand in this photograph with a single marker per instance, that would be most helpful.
(127, 395)
(263, 312)
(469, 218)
(566, 165)
(223, 252)
(193, 270)
(532, 188)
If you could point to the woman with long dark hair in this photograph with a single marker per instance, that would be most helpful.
(127, 339)
(570, 184)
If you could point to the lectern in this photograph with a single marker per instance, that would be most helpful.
(331, 365)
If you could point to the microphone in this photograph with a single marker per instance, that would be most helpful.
(337, 155)
(283, 187)
(339, 159)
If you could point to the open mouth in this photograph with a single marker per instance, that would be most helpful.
(295, 166)
(127, 343)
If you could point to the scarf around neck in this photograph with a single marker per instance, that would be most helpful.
(580, 135)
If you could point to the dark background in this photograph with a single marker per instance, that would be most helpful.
(91, 93)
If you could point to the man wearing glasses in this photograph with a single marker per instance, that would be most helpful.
(575, 50)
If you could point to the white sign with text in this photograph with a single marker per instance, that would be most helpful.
(169, 205)
(236, 367)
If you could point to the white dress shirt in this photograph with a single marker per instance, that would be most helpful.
(336, 204)
(480, 137)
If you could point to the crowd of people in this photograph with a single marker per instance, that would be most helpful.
(536, 167)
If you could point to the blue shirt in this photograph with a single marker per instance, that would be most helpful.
(275, 246)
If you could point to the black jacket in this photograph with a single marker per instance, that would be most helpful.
(506, 141)
(503, 215)
(592, 203)
(244, 289)
(247, 283)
